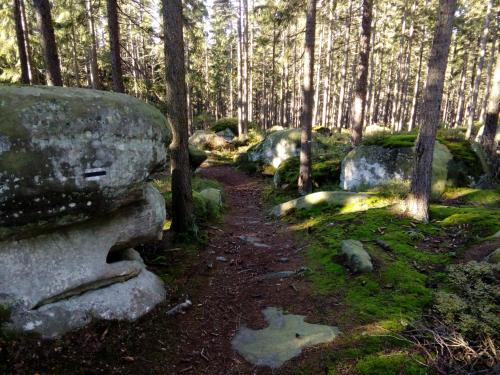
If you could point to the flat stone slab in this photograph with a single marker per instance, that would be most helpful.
(283, 339)
(350, 202)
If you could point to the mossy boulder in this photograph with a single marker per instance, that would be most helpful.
(357, 258)
(225, 123)
(67, 153)
(348, 201)
(208, 140)
(369, 166)
(279, 146)
(213, 197)
(196, 157)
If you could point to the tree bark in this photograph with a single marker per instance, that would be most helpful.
(94, 69)
(417, 203)
(114, 43)
(305, 183)
(176, 111)
(477, 81)
(359, 103)
(21, 44)
(49, 46)
(489, 76)
(343, 71)
(491, 120)
(461, 92)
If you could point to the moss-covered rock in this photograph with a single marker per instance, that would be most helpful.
(348, 201)
(372, 165)
(196, 157)
(67, 153)
(207, 140)
(225, 123)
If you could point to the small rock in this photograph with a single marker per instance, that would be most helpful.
(358, 260)
(283, 260)
(221, 259)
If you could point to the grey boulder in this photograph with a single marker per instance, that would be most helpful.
(84, 271)
(370, 166)
(357, 258)
(67, 153)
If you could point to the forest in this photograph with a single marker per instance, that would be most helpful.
(249, 187)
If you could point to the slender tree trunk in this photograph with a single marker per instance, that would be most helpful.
(94, 69)
(21, 44)
(175, 100)
(461, 92)
(359, 104)
(477, 81)
(241, 114)
(49, 46)
(33, 76)
(244, 20)
(343, 72)
(250, 65)
(329, 66)
(305, 181)
(318, 77)
(114, 43)
(417, 203)
(491, 120)
(489, 76)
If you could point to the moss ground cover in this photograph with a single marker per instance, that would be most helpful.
(400, 289)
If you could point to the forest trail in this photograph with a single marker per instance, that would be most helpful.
(251, 245)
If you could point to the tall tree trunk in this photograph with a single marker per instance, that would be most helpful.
(345, 64)
(21, 44)
(489, 75)
(305, 181)
(461, 92)
(244, 20)
(359, 103)
(250, 65)
(49, 46)
(417, 203)
(175, 100)
(94, 69)
(477, 81)
(33, 76)
(114, 43)
(241, 114)
(318, 77)
(329, 65)
(491, 120)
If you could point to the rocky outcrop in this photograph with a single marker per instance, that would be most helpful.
(74, 201)
(370, 166)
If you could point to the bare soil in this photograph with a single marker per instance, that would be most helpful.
(225, 295)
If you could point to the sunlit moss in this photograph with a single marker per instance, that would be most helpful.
(390, 364)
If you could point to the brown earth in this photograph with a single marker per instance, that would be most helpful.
(225, 295)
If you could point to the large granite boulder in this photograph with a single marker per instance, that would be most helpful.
(370, 166)
(67, 154)
(74, 201)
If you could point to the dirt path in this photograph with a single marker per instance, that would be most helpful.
(226, 293)
(234, 294)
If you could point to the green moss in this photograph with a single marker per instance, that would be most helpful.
(325, 170)
(390, 364)
(196, 157)
(391, 141)
(474, 197)
(482, 221)
(225, 123)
